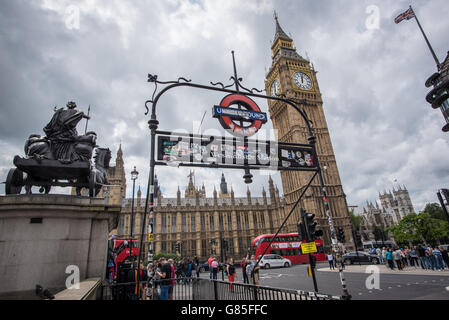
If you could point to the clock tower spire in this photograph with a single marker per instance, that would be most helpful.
(292, 76)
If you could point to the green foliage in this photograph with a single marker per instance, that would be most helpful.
(166, 255)
(420, 228)
(356, 220)
(435, 211)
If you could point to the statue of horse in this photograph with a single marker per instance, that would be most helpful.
(98, 176)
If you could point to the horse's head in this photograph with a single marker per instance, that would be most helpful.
(102, 157)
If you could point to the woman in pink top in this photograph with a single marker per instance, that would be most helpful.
(214, 266)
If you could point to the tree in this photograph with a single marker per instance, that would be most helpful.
(356, 220)
(420, 228)
(435, 211)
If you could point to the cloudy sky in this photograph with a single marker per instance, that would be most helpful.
(98, 53)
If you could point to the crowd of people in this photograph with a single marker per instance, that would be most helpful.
(421, 256)
(158, 280)
(426, 257)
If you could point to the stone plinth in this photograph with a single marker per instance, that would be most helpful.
(41, 235)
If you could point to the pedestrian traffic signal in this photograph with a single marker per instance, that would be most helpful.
(310, 226)
(301, 232)
(340, 235)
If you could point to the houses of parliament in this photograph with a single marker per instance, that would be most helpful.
(199, 222)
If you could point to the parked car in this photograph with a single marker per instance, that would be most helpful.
(352, 257)
(273, 260)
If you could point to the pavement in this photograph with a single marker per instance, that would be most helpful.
(386, 270)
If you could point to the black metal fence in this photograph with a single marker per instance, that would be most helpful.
(205, 289)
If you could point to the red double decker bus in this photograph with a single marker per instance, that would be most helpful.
(286, 245)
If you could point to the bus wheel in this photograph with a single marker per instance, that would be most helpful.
(267, 266)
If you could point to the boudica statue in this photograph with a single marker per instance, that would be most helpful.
(61, 157)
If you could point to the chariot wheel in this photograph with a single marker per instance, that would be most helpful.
(14, 181)
(92, 184)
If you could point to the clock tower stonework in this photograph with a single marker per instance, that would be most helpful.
(291, 76)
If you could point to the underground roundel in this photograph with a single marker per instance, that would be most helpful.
(240, 115)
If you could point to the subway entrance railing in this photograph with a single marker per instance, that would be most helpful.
(205, 289)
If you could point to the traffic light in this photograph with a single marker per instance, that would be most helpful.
(439, 96)
(340, 235)
(310, 226)
(301, 232)
(177, 247)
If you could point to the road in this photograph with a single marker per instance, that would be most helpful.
(393, 285)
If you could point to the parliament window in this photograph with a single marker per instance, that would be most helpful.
(192, 224)
(184, 223)
(173, 224)
(163, 224)
(212, 224)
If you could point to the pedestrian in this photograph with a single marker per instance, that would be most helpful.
(407, 256)
(231, 273)
(253, 271)
(209, 261)
(384, 251)
(330, 259)
(214, 267)
(244, 264)
(421, 252)
(439, 264)
(397, 258)
(379, 255)
(189, 274)
(389, 258)
(430, 257)
(445, 256)
(172, 279)
(155, 280)
(196, 266)
(414, 257)
(185, 270)
(165, 278)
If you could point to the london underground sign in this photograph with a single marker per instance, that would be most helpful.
(233, 119)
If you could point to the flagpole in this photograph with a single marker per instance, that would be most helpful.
(427, 40)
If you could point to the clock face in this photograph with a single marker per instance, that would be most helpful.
(302, 81)
(275, 88)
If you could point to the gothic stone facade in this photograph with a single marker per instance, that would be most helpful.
(394, 206)
(199, 223)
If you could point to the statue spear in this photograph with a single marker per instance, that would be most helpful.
(87, 119)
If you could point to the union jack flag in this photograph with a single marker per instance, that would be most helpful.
(405, 15)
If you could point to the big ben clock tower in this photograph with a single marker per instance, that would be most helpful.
(291, 76)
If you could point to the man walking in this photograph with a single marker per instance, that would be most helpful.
(397, 258)
(422, 256)
(165, 276)
(330, 259)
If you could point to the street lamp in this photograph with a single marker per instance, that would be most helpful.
(134, 175)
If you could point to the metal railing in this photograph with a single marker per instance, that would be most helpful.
(205, 289)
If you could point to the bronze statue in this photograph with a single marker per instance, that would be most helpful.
(61, 157)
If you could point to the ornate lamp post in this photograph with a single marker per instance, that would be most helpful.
(134, 175)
